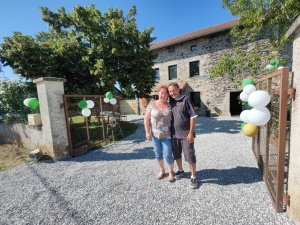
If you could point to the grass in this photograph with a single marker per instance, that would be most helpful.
(12, 156)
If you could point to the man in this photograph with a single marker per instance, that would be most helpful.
(182, 132)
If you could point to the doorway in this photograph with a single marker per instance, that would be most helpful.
(235, 107)
(195, 97)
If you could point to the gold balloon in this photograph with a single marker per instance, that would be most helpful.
(250, 130)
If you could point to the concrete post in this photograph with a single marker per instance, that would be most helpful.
(294, 166)
(50, 94)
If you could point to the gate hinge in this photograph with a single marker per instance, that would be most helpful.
(286, 199)
(291, 93)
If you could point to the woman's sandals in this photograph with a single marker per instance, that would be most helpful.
(161, 175)
(171, 177)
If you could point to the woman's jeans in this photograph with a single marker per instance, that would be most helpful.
(163, 147)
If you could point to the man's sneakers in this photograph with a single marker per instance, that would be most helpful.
(179, 174)
(194, 183)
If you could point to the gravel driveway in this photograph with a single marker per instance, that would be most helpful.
(117, 185)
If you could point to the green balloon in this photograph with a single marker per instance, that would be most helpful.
(242, 126)
(82, 104)
(271, 68)
(279, 62)
(273, 62)
(33, 103)
(247, 81)
(109, 95)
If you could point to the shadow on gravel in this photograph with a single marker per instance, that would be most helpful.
(207, 125)
(98, 155)
(58, 200)
(238, 175)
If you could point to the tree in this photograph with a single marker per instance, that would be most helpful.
(90, 49)
(128, 93)
(12, 95)
(258, 20)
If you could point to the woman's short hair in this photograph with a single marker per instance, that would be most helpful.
(162, 87)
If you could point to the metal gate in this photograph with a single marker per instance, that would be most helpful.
(85, 133)
(271, 145)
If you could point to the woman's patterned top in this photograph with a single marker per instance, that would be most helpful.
(160, 120)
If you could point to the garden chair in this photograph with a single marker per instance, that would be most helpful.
(113, 123)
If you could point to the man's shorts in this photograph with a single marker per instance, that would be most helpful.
(179, 145)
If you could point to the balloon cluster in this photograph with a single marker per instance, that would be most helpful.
(86, 106)
(31, 102)
(259, 115)
(109, 98)
(275, 64)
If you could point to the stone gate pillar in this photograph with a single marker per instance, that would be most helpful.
(50, 94)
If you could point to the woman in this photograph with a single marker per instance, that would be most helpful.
(160, 113)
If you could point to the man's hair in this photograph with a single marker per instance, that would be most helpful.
(174, 84)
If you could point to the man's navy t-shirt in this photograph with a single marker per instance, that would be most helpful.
(183, 111)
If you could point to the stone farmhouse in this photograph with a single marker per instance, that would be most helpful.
(186, 59)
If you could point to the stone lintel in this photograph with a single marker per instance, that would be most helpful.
(55, 79)
(294, 29)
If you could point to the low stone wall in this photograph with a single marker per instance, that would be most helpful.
(31, 137)
(22, 135)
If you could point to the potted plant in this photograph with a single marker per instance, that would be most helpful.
(207, 110)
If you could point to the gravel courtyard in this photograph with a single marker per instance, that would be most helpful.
(117, 185)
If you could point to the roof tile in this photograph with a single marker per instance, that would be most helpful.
(195, 34)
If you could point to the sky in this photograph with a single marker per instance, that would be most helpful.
(170, 18)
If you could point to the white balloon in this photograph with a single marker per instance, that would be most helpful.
(113, 101)
(244, 96)
(280, 67)
(267, 67)
(259, 116)
(244, 116)
(259, 98)
(26, 101)
(90, 103)
(106, 100)
(86, 112)
(248, 89)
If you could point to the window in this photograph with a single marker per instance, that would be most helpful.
(193, 47)
(172, 72)
(194, 68)
(155, 97)
(157, 75)
(195, 97)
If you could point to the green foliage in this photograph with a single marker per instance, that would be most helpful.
(90, 49)
(128, 92)
(12, 95)
(257, 19)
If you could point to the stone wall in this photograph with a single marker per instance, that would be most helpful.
(294, 165)
(209, 51)
(22, 135)
(131, 106)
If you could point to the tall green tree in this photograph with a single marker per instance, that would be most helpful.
(258, 21)
(90, 49)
